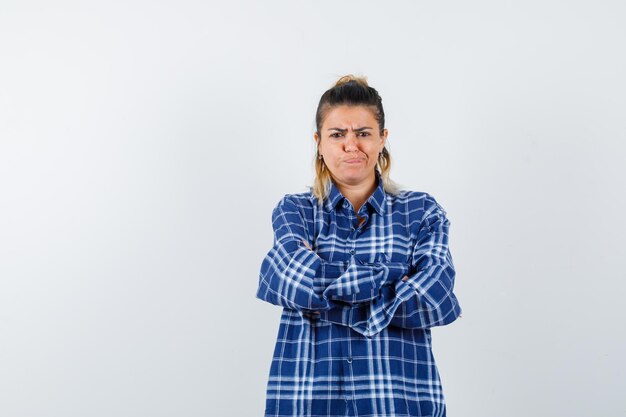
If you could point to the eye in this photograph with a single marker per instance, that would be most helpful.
(335, 135)
(364, 134)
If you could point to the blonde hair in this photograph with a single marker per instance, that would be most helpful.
(354, 91)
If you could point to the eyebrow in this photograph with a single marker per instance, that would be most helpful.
(345, 130)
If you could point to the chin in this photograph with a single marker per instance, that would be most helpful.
(354, 177)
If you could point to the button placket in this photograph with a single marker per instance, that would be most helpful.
(348, 392)
(351, 241)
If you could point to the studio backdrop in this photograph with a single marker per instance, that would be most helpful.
(143, 146)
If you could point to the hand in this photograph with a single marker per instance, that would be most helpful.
(404, 278)
(311, 314)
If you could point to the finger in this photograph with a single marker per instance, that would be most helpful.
(404, 278)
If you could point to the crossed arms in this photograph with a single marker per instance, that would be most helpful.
(367, 296)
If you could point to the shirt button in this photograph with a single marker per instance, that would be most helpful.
(352, 251)
(349, 359)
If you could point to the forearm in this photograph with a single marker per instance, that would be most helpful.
(292, 275)
(425, 300)
(287, 275)
(362, 281)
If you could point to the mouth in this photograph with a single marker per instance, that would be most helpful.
(354, 161)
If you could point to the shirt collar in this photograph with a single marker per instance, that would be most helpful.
(377, 200)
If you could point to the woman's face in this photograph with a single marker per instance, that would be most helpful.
(350, 143)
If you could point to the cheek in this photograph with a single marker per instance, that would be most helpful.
(330, 154)
(373, 153)
(335, 149)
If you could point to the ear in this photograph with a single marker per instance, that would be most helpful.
(383, 137)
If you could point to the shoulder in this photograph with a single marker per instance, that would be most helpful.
(420, 205)
(300, 200)
(415, 199)
(296, 203)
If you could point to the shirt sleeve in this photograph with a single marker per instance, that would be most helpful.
(425, 299)
(288, 270)
(363, 281)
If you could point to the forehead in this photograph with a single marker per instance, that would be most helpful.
(345, 116)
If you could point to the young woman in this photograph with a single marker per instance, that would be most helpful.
(362, 271)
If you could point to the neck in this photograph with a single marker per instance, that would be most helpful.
(358, 194)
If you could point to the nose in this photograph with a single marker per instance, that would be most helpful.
(351, 143)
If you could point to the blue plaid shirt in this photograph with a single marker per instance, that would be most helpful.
(368, 351)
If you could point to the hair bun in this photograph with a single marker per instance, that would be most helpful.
(350, 77)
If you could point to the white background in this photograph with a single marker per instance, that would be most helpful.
(144, 144)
